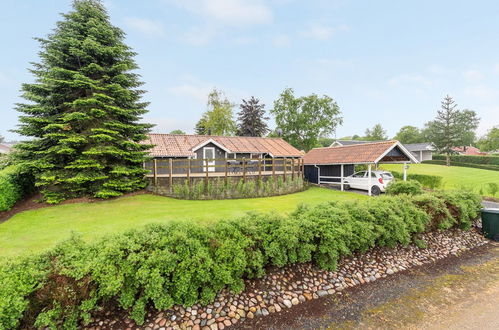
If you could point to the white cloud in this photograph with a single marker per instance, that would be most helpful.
(473, 75)
(482, 92)
(322, 32)
(146, 26)
(229, 12)
(281, 40)
(199, 36)
(409, 79)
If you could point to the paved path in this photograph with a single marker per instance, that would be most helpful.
(488, 204)
(454, 293)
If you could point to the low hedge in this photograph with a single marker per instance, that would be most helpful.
(490, 160)
(182, 263)
(428, 181)
(14, 185)
(410, 187)
(471, 165)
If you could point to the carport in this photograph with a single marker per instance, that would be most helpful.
(330, 165)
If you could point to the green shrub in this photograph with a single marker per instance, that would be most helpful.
(14, 185)
(492, 187)
(410, 187)
(427, 181)
(158, 266)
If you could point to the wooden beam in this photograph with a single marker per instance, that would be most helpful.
(244, 169)
(285, 166)
(155, 168)
(259, 169)
(170, 172)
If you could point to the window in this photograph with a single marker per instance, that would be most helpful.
(359, 174)
(231, 156)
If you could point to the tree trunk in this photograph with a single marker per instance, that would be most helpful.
(447, 158)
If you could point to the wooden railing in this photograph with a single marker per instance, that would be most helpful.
(223, 167)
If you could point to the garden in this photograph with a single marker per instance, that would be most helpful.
(182, 263)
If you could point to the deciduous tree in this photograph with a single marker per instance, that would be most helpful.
(409, 134)
(84, 110)
(490, 142)
(219, 118)
(376, 133)
(252, 119)
(178, 131)
(303, 120)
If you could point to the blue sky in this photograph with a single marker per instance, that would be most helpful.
(388, 62)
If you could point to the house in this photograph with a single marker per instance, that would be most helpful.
(209, 153)
(329, 165)
(4, 149)
(469, 151)
(422, 151)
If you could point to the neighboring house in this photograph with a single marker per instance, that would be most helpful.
(4, 149)
(422, 151)
(469, 151)
(217, 150)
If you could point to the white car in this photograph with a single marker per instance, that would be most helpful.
(360, 180)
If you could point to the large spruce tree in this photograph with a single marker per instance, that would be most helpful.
(84, 109)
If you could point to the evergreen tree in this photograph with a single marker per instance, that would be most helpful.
(445, 131)
(252, 118)
(84, 110)
(1, 138)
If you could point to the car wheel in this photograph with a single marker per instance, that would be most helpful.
(346, 186)
(375, 190)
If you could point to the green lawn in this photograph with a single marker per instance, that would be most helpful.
(453, 177)
(40, 229)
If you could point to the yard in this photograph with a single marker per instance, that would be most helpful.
(40, 229)
(454, 177)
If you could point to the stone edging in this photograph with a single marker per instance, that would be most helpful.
(285, 287)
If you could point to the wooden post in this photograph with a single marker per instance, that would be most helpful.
(155, 168)
(226, 170)
(170, 172)
(244, 169)
(206, 159)
(285, 162)
(189, 172)
(292, 168)
(259, 169)
(273, 168)
(405, 171)
(302, 168)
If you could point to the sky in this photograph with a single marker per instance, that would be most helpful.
(388, 62)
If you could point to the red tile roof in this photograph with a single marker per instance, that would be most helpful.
(173, 145)
(470, 151)
(350, 154)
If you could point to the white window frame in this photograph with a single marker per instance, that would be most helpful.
(210, 168)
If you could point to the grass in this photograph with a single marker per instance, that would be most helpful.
(454, 177)
(37, 230)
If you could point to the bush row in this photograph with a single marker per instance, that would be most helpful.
(472, 165)
(410, 187)
(14, 185)
(221, 189)
(183, 263)
(490, 160)
(428, 181)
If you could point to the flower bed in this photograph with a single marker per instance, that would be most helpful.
(182, 264)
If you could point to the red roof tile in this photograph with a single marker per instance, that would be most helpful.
(173, 145)
(350, 154)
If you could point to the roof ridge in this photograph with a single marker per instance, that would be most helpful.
(357, 145)
(224, 136)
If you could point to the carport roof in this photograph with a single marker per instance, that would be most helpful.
(366, 153)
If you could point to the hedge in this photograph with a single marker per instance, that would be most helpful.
(472, 165)
(428, 181)
(159, 266)
(490, 160)
(14, 185)
(410, 187)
